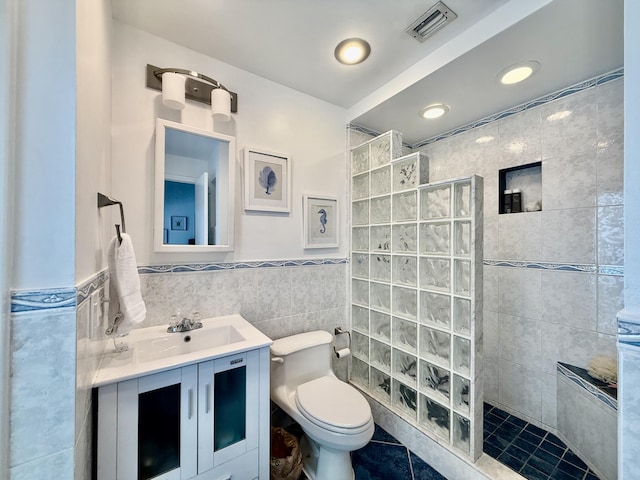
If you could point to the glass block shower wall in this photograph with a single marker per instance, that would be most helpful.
(416, 292)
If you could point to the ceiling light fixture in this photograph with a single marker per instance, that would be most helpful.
(518, 72)
(176, 84)
(435, 110)
(352, 51)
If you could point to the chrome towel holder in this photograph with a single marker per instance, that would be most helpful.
(105, 201)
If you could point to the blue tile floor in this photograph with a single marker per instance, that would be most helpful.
(385, 458)
(531, 451)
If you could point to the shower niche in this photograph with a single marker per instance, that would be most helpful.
(416, 308)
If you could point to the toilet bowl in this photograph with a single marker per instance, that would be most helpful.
(335, 418)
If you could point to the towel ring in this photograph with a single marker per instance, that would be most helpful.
(105, 201)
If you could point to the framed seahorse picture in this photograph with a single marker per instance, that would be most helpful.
(267, 181)
(320, 219)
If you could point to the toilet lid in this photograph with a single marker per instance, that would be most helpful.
(334, 405)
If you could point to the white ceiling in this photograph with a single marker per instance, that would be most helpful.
(292, 42)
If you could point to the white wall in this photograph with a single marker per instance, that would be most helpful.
(270, 116)
(93, 145)
(45, 145)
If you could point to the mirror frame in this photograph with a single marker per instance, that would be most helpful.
(158, 224)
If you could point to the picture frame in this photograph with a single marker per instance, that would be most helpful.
(267, 181)
(320, 221)
(178, 222)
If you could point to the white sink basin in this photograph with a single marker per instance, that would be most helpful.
(173, 344)
(153, 349)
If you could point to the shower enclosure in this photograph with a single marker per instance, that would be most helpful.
(416, 292)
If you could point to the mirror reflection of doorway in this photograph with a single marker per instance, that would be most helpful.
(179, 201)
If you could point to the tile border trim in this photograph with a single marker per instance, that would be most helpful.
(66, 297)
(617, 270)
(45, 299)
(208, 267)
(578, 87)
(628, 328)
(588, 387)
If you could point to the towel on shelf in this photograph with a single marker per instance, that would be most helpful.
(124, 285)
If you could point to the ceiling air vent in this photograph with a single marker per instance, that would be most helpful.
(431, 21)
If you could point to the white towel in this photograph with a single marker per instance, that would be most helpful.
(124, 285)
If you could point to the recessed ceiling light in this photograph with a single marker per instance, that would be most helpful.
(518, 72)
(352, 51)
(435, 110)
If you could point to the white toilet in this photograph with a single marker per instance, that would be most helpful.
(334, 416)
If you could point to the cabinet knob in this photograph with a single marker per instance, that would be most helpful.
(277, 359)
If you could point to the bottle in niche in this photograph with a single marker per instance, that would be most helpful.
(516, 201)
(507, 201)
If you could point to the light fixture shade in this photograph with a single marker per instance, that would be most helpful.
(352, 51)
(221, 104)
(173, 90)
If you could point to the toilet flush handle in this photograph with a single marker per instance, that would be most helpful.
(277, 359)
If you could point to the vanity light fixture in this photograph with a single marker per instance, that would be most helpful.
(435, 110)
(352, 51)
(518, 72)
(178, 83)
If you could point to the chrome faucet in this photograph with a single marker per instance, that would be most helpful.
(185, 325)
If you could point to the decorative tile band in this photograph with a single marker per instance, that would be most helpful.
(617, 270)
(602, 79)
(628, 328)
(209, 267)
(54, 298)
(588, 386)
(83, 292)
(26, 301)
(611, 270)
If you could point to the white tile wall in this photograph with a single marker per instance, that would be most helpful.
(280, 301)
(534, 318)
(42, 388)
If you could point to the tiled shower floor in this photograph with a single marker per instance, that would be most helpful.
(532, 452)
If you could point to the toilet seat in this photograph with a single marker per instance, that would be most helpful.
(333, 405)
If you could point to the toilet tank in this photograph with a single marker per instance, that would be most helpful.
(305, 356)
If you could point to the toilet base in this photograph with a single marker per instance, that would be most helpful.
(321, 463)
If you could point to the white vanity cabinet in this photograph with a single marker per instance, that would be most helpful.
(208, 421)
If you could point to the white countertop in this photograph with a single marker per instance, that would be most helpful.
(140, 358)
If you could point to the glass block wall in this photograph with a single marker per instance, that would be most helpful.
(416, 292)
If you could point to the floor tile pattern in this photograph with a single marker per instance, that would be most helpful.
(531, 451)
(385, 458)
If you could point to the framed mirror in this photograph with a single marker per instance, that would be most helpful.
(194, 189)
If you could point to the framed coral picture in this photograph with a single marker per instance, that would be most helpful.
(320, 221)
(267, 181)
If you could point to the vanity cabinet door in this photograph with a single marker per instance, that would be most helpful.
(228, 401)
(163, 407)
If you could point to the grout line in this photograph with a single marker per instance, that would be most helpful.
(387, 443)
(410, 463)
